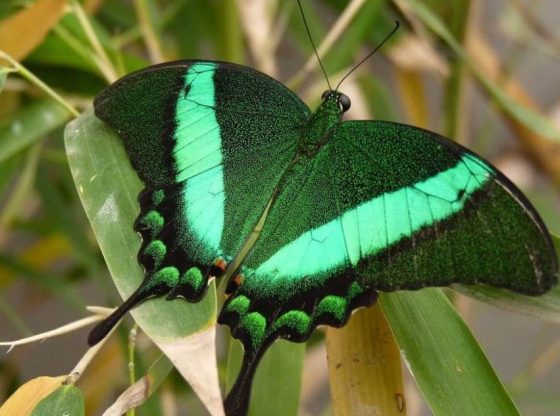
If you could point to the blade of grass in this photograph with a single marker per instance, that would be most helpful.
(334, 34)
(447, 363)
(228, 39)
(454, 111)
(104, 63)
(542, 150)
(151, 40)
(61, 220)
(23, 187)
(29, 76)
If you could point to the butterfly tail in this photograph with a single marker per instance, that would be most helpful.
(101, 330)
(237, 400)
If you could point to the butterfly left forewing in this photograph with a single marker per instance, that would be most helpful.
(201, 136)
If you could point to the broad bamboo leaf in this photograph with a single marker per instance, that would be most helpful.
(66, 401)
(108, 186)
(445, 359)
(26, 397)
(29, 125)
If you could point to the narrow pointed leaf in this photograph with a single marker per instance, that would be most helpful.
(530, 118)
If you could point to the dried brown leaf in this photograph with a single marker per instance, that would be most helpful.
(24, 400)
(22, 32)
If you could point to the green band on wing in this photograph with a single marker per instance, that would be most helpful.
(377, 224)
(154, 221)
(198, 154)
(334, 305)
(193, 277)
(239, 304)
(296, 320)
(255, 324)
(157, 250)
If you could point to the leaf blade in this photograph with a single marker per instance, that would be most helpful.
(453, 373)
(107, 186)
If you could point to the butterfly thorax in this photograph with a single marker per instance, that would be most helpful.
(320, 125)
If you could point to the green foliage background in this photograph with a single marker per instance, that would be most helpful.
(441, 71)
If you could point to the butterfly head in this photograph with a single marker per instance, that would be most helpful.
(337, 100)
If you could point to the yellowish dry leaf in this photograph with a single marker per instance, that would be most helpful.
(40, 255)
(24, 400)
(365, 367)
(92, 6)
(22, 32)
(416, 54)
(412, 94)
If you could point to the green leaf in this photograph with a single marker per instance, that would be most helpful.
(277, 380)
(30, 125)
(108, 188)
(531, 119)
(447, 363)
(65, 400)
(3, 76)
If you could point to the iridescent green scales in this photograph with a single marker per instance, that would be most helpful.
(316, 215)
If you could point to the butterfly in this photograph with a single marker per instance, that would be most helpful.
(307, 216)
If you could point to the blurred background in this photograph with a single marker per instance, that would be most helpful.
(50, 265)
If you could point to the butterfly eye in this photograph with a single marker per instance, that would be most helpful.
(325, 95)
(344, 102)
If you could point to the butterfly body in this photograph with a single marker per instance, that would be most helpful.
(308, 215)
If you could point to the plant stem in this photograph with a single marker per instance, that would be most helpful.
(151, 39)
(28, 75)
(104, 63)
(131, 366)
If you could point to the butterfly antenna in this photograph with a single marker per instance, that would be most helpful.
(312, 44)
(397, 24)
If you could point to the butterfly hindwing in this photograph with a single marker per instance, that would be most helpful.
(202, 136)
